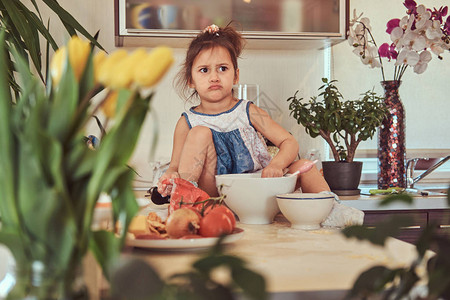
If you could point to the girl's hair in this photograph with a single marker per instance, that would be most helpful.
(213, 36)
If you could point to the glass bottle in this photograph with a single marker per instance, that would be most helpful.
(314, 154)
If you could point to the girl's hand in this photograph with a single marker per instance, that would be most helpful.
(272, 171)
(165, 188)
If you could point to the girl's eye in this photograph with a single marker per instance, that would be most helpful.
(203, 70)
(223, 68)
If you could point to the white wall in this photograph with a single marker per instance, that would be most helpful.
(281, 73)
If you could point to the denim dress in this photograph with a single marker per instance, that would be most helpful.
(239, 147)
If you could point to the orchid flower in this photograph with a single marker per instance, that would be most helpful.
(423, 17)
(407, 57)
(371, 57)
(424, 59)
(388, 51)
(415, 37)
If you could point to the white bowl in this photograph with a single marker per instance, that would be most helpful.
(305, 210)
(252, 198)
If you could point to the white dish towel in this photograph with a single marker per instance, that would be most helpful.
(342, 215)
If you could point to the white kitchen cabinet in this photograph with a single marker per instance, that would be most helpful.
(266, 24)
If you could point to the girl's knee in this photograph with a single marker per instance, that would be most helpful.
(298, 163)
(200, 134)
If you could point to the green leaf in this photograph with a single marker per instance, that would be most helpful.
(135, 279)
(23, 69)
(252, 283)
(206, 264)
(87, 80)
(13, 241)
(44, 212)
(372, 281)
(36, 22)
(124, 201)
(29, 34)
(405, 198)
(112, 149)
(425, 239)
(105, 246)
(64, 103)
(8, 157)
(70, 22)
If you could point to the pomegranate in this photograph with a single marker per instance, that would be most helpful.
(182, 222)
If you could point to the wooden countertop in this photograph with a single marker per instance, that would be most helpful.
(294, 260)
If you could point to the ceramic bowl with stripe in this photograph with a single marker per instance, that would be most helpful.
(305, 210)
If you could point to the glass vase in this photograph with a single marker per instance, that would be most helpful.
(391, 140)
(38, 281)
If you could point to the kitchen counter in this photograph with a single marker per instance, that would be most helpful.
(424, 211)
(321, 263)
(366, 203)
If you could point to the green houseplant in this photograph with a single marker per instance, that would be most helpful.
(342, 124)
(24, 28)
(51, 180)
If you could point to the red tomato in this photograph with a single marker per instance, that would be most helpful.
(225, 210)
(215, 223)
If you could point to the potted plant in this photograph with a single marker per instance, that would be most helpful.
(25, 29)
(343, 125)
(51, 179)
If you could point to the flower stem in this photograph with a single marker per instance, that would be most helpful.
(373, 41)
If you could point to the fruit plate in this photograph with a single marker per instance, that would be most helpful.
(184, 244)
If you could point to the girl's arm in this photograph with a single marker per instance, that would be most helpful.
(179, 137)
(279, 137)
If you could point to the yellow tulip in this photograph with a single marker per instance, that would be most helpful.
(122, 72)
(57, 65)
(109, 104)
(153, 68)
(98, 60)
(78, 54)
(105, 71)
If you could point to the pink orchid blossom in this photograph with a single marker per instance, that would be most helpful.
(392, 24)
(411, 6)
(388, 51)
(447, 26)
(439, 14)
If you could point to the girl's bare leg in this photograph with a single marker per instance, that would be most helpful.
(311, 181)
(198, 159)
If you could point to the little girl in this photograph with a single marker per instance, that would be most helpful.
(224, 135)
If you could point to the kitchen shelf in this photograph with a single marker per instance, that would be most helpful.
(321, 23)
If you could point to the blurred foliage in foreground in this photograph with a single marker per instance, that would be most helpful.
(403, 283)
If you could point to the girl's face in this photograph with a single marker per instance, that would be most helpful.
(213, 75)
